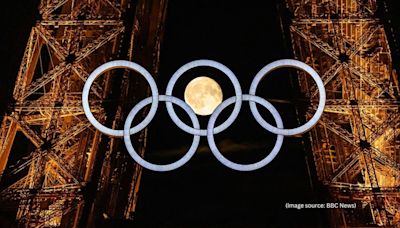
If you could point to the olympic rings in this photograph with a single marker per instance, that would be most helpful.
(211, 130)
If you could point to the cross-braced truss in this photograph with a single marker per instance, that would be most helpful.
(356, 144)
(48, 175)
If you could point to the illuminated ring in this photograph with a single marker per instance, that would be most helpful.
(236, 166)
(109, 66)
(211, 130)
(140, 160)
(298, 65)
(227, 72)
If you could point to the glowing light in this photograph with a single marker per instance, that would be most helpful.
(203, 95)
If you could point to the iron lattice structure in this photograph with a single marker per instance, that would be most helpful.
(53, 168)
(356, 143)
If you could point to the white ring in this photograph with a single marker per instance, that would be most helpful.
(227, 72)
(301, 66)
(140, 160)
(112, 65)
(195, 130)
(233, 165)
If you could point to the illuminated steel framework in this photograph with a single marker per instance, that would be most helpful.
(57, 181)
(356, 143)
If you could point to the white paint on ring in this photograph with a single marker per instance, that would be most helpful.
(218, 66)
(233, 165)
(140, 160)
(298, 65)
(109, 66)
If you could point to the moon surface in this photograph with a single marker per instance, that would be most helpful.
(203, 95)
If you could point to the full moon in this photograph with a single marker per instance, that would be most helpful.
(203, 95)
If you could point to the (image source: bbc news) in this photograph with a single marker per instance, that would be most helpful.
(200, 113)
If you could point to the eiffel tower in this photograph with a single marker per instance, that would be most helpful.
(356, 143)
(54, 170)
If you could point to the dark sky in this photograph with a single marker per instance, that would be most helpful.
(18, 17)
(243, 37)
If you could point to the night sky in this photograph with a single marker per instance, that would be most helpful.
(204, 192)
(244, 37)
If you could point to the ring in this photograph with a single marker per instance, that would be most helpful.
(211, 129)
(113, 65)
(236, 166)
(140, 160)
(298, 65)
(218, 66)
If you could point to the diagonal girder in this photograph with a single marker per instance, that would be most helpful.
(328, 76)
(385, 159)
(58, 49)
(345, 165)
(20, 184)
(63, 165)
(367, 77)
(47, 7)
(57, 71)
(113, 6)
(364, 39)
(83, 75)
(70, 133)
(99, 42)
(21, 166)
(385, 126)
(313, 39)
(28, 132)
(338, 130)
